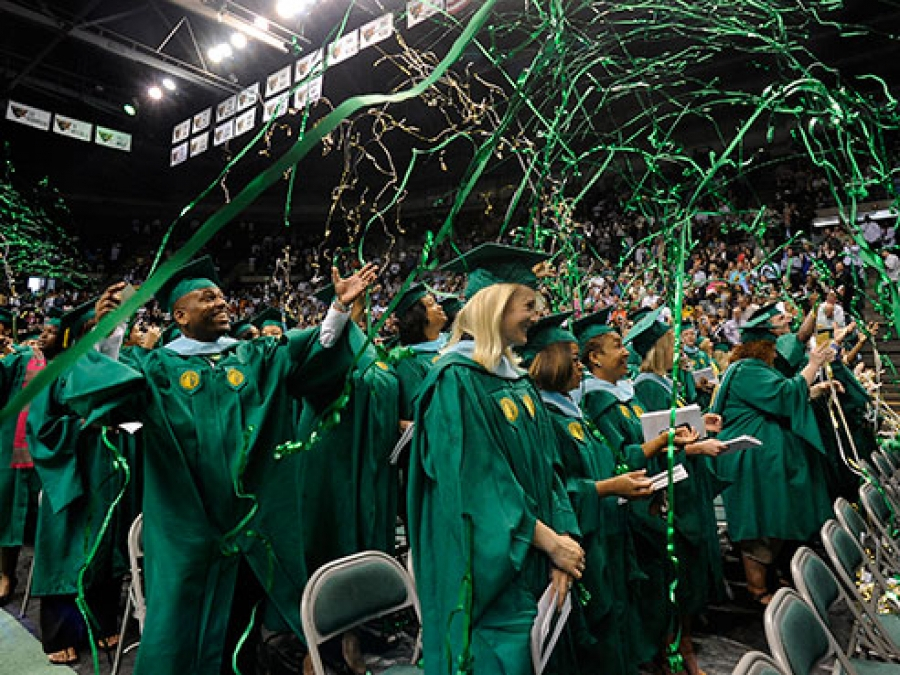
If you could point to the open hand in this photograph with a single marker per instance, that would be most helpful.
(349, 289)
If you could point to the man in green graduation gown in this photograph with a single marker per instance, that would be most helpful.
(778, 490)
(220, 510)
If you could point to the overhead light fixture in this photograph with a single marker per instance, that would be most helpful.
(220, 52)
(238, 40)
(288, 9)
(261, 22)
(130, 109)
(155, 93)
(169, 83)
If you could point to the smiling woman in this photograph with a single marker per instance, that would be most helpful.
(489, 515)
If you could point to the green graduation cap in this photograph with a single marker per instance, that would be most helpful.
(639, 314)
(544, 332)
(54, 314)
(273, 317)
(759, 326)
(200, 273)
(6, 316)
(646, 332)
(491, 264)
(71, 324)
(241, 327)
(722, 347)
(413, 294)
(591, 325)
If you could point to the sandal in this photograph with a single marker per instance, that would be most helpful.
(64, 657)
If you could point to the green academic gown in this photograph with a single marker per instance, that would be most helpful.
(610, 614)
(349, 488)
(412, 368)
(18, 484)
(214, 491)
(700, 576)
(778, 489)
(617, 416)
(80, 478)
(699, 360)
(482, 468)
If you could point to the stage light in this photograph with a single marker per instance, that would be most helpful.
(238, 40)
(220, 52)
(155, 93)
(287, 9)
(169, 83)
(129, 109)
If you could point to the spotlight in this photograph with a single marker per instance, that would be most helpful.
(155, 93)
(220, 52)
(261, 22)
(130, 109)
(238, 40)
(169, 83)
(287, 9)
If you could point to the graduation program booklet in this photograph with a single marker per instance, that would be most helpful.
(740, 443)
(544, 633)
(660, 481)
(654, 423)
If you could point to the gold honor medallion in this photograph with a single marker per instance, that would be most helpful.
(576, 431)
(529, 405)
(235, 377)
(509, 408)
(189, 380)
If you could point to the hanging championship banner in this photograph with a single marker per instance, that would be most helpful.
(278, 81)
(248, 97)
(202, 120)
(179, 154)
(28, 115)
(276, 107)
(199, 144)
(181, 132)
(309, 65)
(308, 94)
(224, 132)
(226, 108)
(419, 10)
(111, 138)
(69, 126)
(344, 48)
(376, 31)
(244, 123)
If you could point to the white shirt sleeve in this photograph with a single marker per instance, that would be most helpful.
(332, 326)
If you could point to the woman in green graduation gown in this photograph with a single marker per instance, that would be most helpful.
(596, 480)
(778, 490)
(607, 398)
(696, 537)
(490, 520)
(420, 320)
(18, 484)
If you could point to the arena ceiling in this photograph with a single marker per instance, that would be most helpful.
(88, 58)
